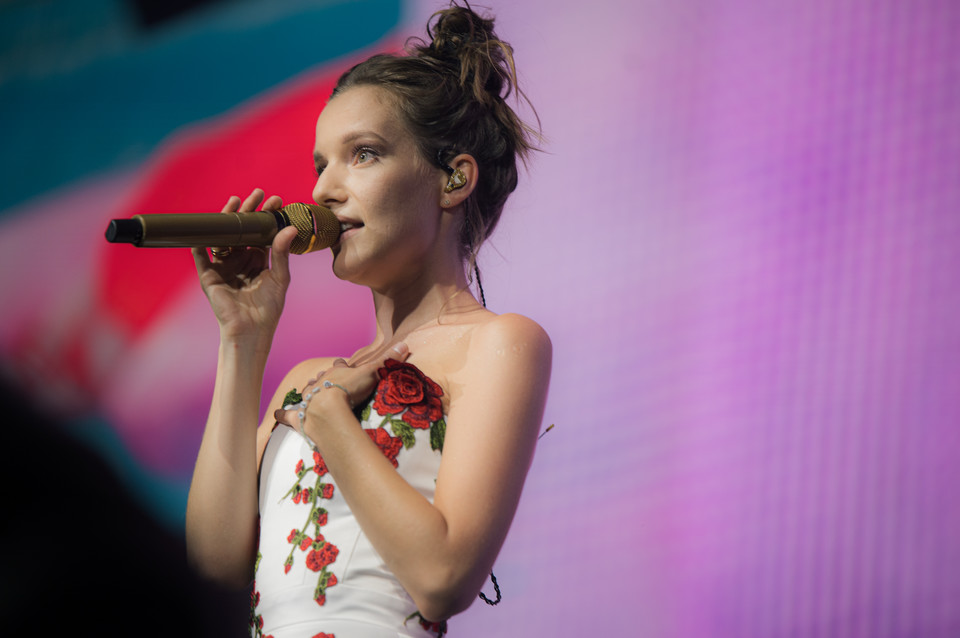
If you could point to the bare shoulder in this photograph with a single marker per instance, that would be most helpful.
(511, 336)
(498, 396)
(507, 353)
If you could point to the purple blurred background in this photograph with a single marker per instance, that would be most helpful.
(743, 237)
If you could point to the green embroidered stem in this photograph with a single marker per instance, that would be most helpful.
(298, 538)
(296, 486)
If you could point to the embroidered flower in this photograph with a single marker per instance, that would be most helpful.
(326, 580)
(317, 559)
(323, 635)
(430, 625)
(319, 465)
(319, 553)
(256, 620)
(403, 389)
(389, 445)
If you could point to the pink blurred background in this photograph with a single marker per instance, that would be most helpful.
(743, 237)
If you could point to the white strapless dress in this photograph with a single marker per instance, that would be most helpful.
(317, 575)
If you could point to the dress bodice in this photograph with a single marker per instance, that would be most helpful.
(317, 574)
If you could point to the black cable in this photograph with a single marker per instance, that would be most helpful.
(496, 588)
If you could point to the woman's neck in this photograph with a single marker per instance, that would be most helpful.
(424, 293)
(405, 311)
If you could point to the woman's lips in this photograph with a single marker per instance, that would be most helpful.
(347, 229)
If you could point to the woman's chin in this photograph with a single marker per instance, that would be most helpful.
(346, 268)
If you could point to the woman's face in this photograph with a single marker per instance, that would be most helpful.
(386, 196)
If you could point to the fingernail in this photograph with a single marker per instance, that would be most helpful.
(401, 349)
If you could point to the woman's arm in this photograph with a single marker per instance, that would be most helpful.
(442, 552)
(222, 504)
(247, 298)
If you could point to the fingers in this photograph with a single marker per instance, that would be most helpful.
(274, 202)
(293, 414)
(200, 259)
(289, 417)
(252, 201)
(232, 205)
(249, 205)
(280, 252)
(355, 381)
(399, 352)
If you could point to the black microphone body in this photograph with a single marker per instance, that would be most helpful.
(317, 228)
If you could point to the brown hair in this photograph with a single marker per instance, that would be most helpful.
(451, 93)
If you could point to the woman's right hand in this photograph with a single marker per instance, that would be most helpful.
(247, 287)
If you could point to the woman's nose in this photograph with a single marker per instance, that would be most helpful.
(329, 188)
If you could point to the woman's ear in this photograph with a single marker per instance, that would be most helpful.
(459, 184)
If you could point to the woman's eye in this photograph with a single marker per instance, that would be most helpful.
(365, 155)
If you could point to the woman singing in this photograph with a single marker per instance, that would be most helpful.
(374, 503)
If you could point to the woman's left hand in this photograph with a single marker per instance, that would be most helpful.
(355, 383)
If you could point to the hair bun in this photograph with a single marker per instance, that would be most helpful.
(458, 28)
(465, 43)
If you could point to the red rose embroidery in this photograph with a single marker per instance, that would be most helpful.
(323, 635)
(429, 625)
(319, 465)
(389, 445)
(317, 559)
(404, 389)
(326, 491)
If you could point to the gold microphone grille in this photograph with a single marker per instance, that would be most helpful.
(317, 227)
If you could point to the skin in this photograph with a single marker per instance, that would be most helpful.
(494, 369)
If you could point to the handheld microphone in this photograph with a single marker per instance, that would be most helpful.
(317, 228)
